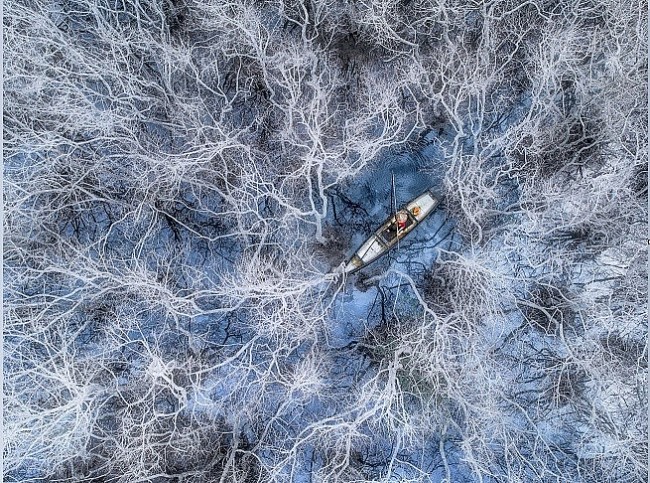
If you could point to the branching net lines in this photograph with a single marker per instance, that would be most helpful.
(172, 171)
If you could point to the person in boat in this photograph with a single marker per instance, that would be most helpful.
(401, 219)
(399, 223)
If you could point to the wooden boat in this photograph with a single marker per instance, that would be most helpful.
(389, 233)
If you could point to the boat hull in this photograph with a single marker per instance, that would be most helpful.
(388, 235)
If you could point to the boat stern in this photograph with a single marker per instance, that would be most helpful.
(423, 205)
